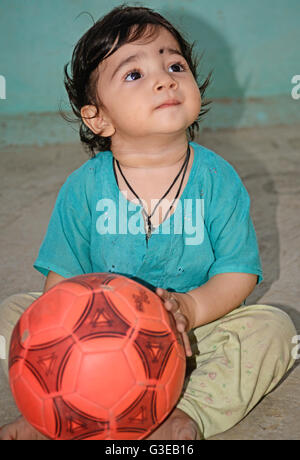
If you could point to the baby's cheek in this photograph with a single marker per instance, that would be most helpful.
(196, 101)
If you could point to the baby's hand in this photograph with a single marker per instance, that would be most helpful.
(174, 303)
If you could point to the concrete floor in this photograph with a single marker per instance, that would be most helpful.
(268, 161)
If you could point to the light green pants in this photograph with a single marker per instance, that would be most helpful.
(236, 361)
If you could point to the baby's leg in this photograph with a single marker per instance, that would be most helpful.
(10, 311)
(237, 360)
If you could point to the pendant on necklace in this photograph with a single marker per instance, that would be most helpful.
(149, 231)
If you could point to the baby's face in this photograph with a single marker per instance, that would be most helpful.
(132, 88)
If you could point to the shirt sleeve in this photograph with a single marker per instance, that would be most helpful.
(231, 229)
(65, 249)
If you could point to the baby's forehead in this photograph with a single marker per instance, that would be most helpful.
(159, 43)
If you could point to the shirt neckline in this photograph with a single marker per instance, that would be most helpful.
(138, 206)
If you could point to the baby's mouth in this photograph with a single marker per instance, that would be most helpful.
(168, 103)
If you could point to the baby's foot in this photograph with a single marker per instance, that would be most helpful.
(178, 426)
(20, 430)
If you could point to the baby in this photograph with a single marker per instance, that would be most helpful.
(154, 205)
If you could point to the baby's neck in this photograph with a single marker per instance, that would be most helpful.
(157, 159)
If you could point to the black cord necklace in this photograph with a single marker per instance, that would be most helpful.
(150, 227)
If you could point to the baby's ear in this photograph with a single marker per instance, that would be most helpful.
(97, 123)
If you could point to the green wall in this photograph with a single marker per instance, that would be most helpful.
(253, 47)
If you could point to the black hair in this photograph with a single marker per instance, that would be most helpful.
(117, 27)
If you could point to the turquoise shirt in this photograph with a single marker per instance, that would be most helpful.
(94, 228)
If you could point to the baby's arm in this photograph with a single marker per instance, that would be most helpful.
(217, 297)
(52, 279)
(214, 299)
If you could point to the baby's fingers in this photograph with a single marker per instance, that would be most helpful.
(173, 306)
(181, 324)
(171, 303)
(186, 344)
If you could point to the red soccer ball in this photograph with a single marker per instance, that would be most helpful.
(96, 357)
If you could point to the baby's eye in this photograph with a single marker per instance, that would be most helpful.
(178, 64)
(133, 72)
(137, 71)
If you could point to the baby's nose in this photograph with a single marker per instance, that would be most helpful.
(165, 81)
